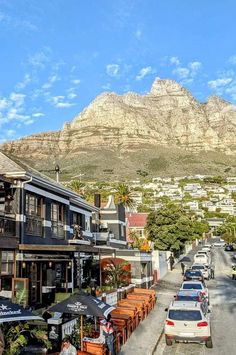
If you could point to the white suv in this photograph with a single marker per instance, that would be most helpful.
(196, 285)
(205, 270)
(188, 322)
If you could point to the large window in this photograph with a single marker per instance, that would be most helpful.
(34, 214)
(7, 262)
(58, 219)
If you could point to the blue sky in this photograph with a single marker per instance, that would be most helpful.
(58, 55)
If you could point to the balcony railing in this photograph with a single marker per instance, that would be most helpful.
(58, 230)
(34, 226)
(7, 227)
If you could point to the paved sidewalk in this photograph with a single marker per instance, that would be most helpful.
(145, 338)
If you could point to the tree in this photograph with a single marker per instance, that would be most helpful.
(117, 274)
(123, 195)
(170, 227)
(77, 186)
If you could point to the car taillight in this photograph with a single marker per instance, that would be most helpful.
(204, 293)
(202, 324)
(169, 322)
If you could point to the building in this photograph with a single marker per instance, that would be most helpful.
(47, 235)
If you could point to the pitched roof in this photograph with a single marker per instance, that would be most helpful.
(136, 219)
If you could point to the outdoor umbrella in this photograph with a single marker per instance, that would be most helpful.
(12, 312)
(83, 304)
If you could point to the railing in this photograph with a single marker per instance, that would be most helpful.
(34, 226)
(7, 226)
(103, 236)
(58, 230)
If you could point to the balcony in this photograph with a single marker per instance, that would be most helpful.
(34, 226)
(7, 226)
(102, 236)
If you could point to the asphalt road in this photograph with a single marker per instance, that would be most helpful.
(222, 292)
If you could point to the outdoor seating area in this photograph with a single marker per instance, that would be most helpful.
(126, 316)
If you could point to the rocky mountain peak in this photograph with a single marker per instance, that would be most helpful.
(162, 87)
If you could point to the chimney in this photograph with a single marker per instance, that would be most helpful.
(97, 200)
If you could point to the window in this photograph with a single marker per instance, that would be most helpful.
(57, 218)
(185, 315)
(7, 262)
(34, 211)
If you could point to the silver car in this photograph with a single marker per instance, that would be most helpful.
(205, 270)
(188, 322)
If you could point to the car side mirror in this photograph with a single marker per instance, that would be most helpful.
(208, 311)
(175, 296)
(166, 309)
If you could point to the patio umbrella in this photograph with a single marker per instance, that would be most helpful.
(12, 312)
(83, 304)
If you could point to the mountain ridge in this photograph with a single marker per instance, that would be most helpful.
(168, 116)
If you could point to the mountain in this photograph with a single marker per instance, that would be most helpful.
(165, 132)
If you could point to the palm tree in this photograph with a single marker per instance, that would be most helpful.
(77, 186)
(123, 195)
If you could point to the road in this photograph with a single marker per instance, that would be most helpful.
(223, 311)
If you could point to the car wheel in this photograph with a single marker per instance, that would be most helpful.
(168, 341)
(209, 343)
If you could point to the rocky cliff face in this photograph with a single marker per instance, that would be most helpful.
(168, 116)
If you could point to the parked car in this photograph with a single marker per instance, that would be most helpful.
(219, 244)
(205, 270)
(188, 322)
(196, 285)
(208, 245)
(205, 252)
(229, 247)
(201, 259)
(207, 249)
(192, 295)
(193, 275)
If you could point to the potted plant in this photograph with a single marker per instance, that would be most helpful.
(19, 334)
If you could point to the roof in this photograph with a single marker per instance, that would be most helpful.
(136, 219)
(188, 292)
(185, 305)
(15, 168)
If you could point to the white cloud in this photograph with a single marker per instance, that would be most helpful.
(38, 114)
(71, 95)
(144, 72)
(58, 101)
(112, 69)
(26, 81)
(106, 86)
(138, 33)
(17, 99)
(76, 81)
(218, 83)
(182, 72)
(232, 59)
(175, 61)
(3, 103)
(10, 132)
(39, 59)
(185, 73)
(195, 66)
(51, 80)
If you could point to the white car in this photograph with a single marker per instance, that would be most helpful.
(196, 285)
(219, 244)
(188, 322)
(205, 252)
(205, 270)
(201, 259)
(207, 249)
(207, 245)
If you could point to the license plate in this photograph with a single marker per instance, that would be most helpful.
(187, 334)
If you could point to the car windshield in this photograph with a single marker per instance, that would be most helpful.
(193, 273)
(185, 315)
(198, 267)
(187, 298)
(192, 286)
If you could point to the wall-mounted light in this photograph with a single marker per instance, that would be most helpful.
(23, 265)
(50, 264)
(69, 265)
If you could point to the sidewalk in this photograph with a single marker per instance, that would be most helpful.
(145, 338)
